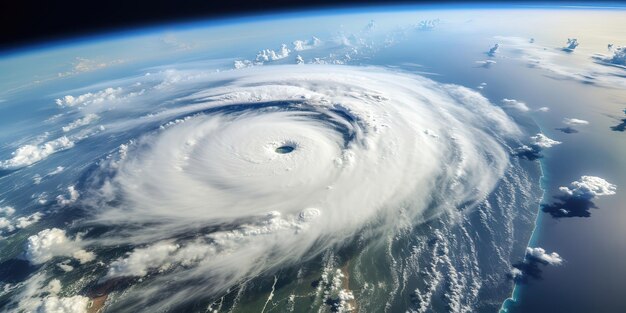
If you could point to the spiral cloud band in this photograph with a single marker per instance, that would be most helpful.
(262, 167)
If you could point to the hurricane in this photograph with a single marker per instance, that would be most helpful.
(249, 171)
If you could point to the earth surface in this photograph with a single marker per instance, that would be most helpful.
(389, 159)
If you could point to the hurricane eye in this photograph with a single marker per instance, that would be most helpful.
(284, 149)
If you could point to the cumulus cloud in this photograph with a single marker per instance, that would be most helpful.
(542, 256)
(40, 295)
(536, 145)
(8, 223)
(30, 154)
(50, 243)
(589, 187)
(89, 98)
(515, 104)
(529, 268)
(88, 119)
(574, 122)
(301, 45)
(271, 55)
(72, 196)
(239, 64)
(543, 109)
(141, 260)
(7, 210)
(576, 199)
(543, 141)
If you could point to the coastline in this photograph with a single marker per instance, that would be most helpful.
(543, 182)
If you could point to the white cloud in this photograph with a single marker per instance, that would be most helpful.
(589, 187)
(301, 45)
(7, 210)
(9, 225)
(486, 63)
(516, 273)
(50, 243)
(141, 260)
(73, 196)
(515, 104)
(543, 141)
(541, 255)
(239, 64)
(574, 121)
(271, 55)
(299, 59)
(543, 109)
(391, 105)
(81, 65)
(37, 296)
(89, 98)
(53, 304)
(25, 221)
(552, 60)
(81, 122)
(30, 154)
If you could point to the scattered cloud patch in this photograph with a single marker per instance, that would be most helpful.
(82, 65)
(38, 294)
(515, 104)
(89, 98)
(486, 63)
(574, 122)
(71, 197)
(301, 45)
(543, 109)
(50, 243)
(542, 256)
(271, 55)
(576, 200)
(30, 154)
(543, 141)
(482, 86)
(8, 224)
(529, 268)
(88, 119)
(589, 187)
(537, 144)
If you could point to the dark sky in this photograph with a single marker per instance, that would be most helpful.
(25, 22)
